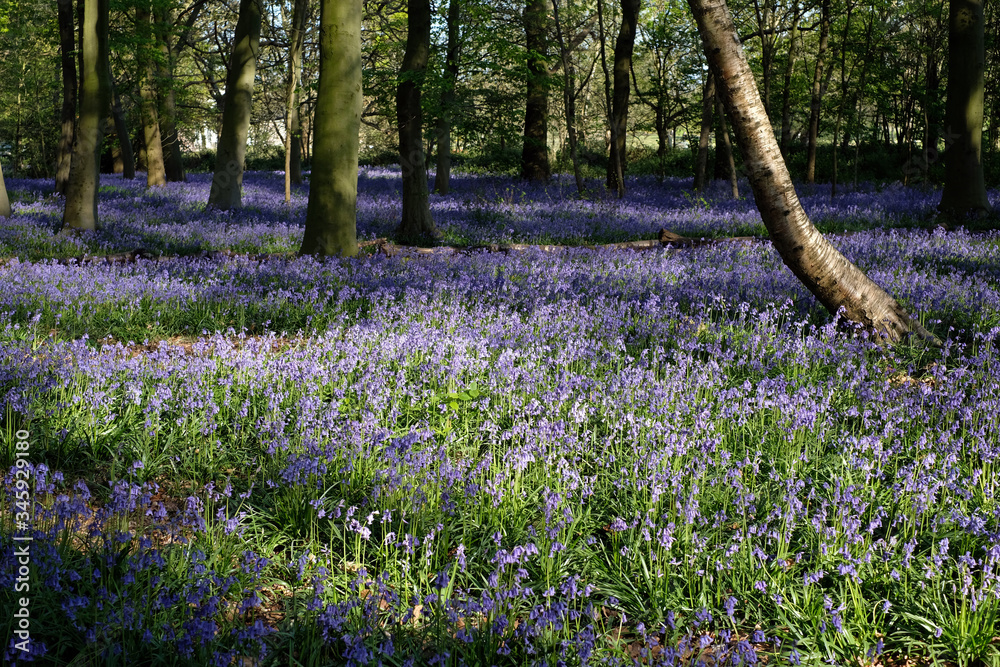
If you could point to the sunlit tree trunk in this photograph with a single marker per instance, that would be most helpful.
(707, 115)
(67, 47)
(296, 35)
(964, 185)
(156, 174)
(834, 280)
(535, 151)
(331, 218)
(624, 46)
(4, 201)
(173, 164)
(85, 172)
(817, 92)
(121, 132)
(569, 96)
(227, 181)
(442, 177)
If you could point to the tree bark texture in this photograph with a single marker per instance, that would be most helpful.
(296, 37)
(67, 46)
(834, 280)
(817, 92)
(535, 151)
(416, 222)
(121, 132)
(227, 181)
(442, 177)
(331, 215)
(707, 115)
(85, 172)
(964, 185)
(624, 46)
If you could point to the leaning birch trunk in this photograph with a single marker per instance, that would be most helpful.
(4, 201)
(296, 32)
(331, 215)
(227, 181)
(416, 223)
(85, 172)
(67, 47)
(834, 280)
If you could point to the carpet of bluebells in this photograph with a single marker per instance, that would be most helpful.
(495, 458)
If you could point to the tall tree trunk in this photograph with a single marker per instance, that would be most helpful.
(724, 148)
(442, 177)
(569, 96)
(964, 185)
(121, 131)
(786, 91)
(707, 115)
(624, 46)
(834, 281)
(817, 92)
(416, 223)
(296, 37)
(156, 174)
(331, 216)
(295, 168)
(535, 151)
(227, 181)
(85, 173)
(615, 166)
(67, 46)
(5, 211)
(173, 163)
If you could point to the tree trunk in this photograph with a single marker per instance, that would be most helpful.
(615, 167)
(724, 148)
(156, 174)
(173, 163)
(964, 185)
(67, 46)
(442, 177)
(4, 201)
(121, 131)
(834, 281)
(296, 164)
(416, 223)
(707, 115)
(331, 216)
(296, 37)
(85, 172)
(569, 97)
(817, 92)
(624, 46)
(535, 151)
(227, 181)
(786, 91)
